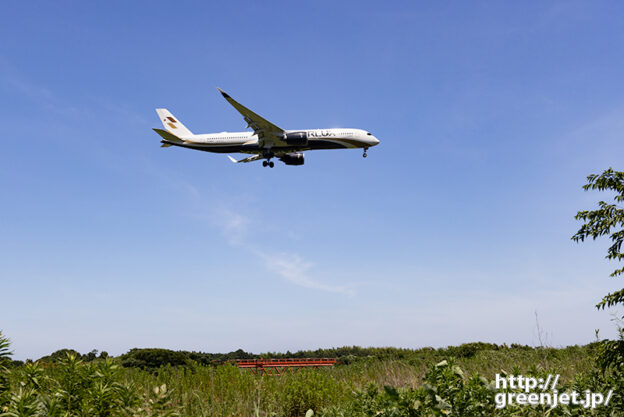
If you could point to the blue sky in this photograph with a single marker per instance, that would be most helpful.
(455, 229)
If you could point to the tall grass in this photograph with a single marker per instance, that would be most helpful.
(454, 381)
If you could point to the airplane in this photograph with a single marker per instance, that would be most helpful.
(265, 142)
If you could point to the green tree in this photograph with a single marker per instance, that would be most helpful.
(153, 358)
(608, 219)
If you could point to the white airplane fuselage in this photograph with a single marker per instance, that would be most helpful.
(248, 142)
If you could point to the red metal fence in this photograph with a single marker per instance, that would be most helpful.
(280, 366)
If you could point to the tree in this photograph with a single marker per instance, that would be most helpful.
(89, 357)
(607, 220)
(60, 355)
(153, 359)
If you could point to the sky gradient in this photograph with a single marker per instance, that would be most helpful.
(455, 229)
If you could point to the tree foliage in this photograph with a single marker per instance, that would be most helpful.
(62, 354)
(608, 219)
(153, 358)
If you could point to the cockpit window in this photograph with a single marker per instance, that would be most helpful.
(369, 134)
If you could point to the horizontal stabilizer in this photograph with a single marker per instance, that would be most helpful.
(169, 137)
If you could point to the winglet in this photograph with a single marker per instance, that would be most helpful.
(226, 95)
(232, 159)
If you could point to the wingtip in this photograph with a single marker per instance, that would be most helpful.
(226, 95)
(232, 159)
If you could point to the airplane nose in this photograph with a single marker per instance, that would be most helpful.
(375, 141)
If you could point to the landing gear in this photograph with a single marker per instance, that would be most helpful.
(267, 155)
(364, 155)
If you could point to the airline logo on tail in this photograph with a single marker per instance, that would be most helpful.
(172, 120)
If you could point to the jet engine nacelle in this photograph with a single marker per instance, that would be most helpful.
(296, 138)
(293, 158)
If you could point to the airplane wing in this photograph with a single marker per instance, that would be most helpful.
(248, 159)
(267, 132)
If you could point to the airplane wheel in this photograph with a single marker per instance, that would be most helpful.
(364, 155)
(271, 164)
(264, 163)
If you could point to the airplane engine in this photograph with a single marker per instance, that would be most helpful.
(292, 158)
(296, 138)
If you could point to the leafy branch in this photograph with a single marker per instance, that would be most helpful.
(608, 219)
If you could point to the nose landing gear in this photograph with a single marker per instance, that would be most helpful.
(364, 155)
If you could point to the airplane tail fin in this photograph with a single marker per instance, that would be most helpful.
(172, 124)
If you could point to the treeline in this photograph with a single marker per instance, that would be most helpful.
(154, 358)
(463, 351)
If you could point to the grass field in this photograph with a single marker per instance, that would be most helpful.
(371, 382)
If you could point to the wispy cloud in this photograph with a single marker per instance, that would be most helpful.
(235, 227)
(293, 268)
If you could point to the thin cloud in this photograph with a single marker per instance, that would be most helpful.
(293, 268)
(233, 225)
(235, 228)
(290, 266)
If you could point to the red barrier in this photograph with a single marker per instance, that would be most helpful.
(280, 366)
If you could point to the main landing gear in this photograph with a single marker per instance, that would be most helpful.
(267, 155)
(364, 155)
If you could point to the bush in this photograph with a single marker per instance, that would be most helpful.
(308, 390)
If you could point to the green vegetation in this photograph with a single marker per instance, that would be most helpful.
(607, 220)
(455, 381)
